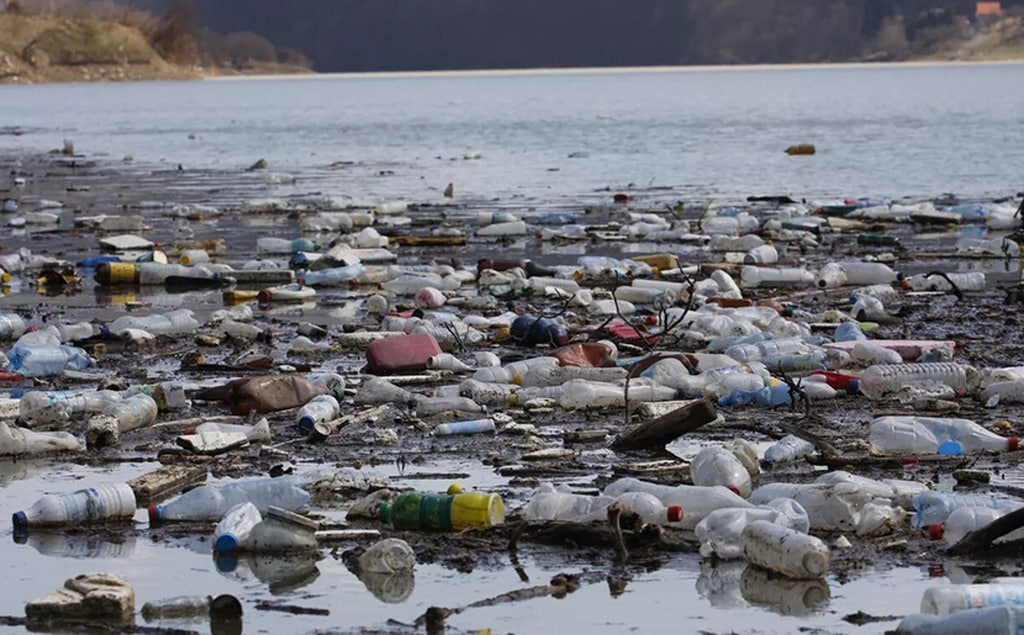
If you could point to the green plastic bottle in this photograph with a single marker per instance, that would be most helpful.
(443, 512)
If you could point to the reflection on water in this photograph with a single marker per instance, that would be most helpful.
(719, 583)
(783, 595)
(16, 470)
(282, 573)
(71, 545)
(390, 588)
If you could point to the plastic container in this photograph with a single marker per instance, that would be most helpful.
(971, 281)
(953, 598)
(843, 506)
(95, 504)
(282, 531)
(752, 277)
(179, 322)
(783, 550)
(333, 277)
(19, 441)
(933, 508)
(53, 407)
(474, 426)
(757, 351)
(270, 393)
(761, 255)
(967, 519)
(867, 354)
(404, 353)
(934, 435)
(559, 503)
(233, 529)
(767, 396)
(11, 326)
(211, 502)
(881, 381)
(388, 557)
(272, 245)
(320, 409)
(696, 502)
(447, 361)
(718, 466)
(721, 532)
(443, 512)
(177, 608)
(193, 257)
(994, 620)
(786, 450)
(40, 360)
(131, 413)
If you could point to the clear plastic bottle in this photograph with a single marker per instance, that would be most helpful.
(696, 502)
(994, 620)
(785, 551)
(53, 407)
(118, 417)
(559, 503)
(178, 322)
(20, 441)
(474, 426)
(953, 598)
(75, 332)
(378, 390)
(844, 506)
(864, 353)
(758, 351)
(333, 277)
(320, 409)
(447, 361)
(786, 450)
(719, 382)
(100, 503)
(272, 245)
(30, 360)
(880, 381)
(488, 394)
(388, 557)
(282, 531)
(11, 326)
(721, 532)
(242, 331)
(761, 255)
(752, 277)
(718, 466)
(1003, 392)
(176, 608)
(211, 502)
(933, 508)
(234, 528)
(934, 435)
(967, 519)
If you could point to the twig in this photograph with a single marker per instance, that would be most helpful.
(614, 522)
(956, 290)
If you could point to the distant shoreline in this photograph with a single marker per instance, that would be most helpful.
(611, 70)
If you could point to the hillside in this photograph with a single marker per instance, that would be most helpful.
(49, 49)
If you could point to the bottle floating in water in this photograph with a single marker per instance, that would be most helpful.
(785, 551)
(881, 381)
(95, 504)
(443, 512)
(953, 598)
(934, 508)
(994, 619)
(934, 435)
(211, 502)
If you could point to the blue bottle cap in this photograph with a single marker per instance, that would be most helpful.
(226, 543)
(949, 448)
(853, 385)
(306, 423)
(20, 520)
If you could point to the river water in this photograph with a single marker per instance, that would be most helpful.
(531, 141)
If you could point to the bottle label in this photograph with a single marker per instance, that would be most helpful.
(122, 273)
(436, 512)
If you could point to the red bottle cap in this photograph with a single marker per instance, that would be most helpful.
(264, 296)
(1012, 443)
(936, 531)
(735, 490)
(154, 515)
(675, 514)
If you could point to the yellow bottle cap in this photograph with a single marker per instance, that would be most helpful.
(454, 489)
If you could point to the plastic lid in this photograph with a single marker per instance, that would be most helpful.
(306, 423)
(949, 448)
(20, 520)
(853, 385)
(936, 531)
(675, 514)
(815, 563)
(226, 543)
(154, 513)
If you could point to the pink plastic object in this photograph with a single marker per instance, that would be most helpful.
(404, 353)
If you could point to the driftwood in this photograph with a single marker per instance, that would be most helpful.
(982, 538)
(664, 429)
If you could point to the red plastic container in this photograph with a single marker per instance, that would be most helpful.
(404, 353)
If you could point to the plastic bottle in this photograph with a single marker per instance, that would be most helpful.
(785, 551)
(746, 353)
(272, 245)
(786, 450)
(282, 531)
(11, 326)
(865, 353)
(388, 557)
(964, 520)
(211, 502)
(934, 435)
(721, 532)
(447, 361)
(696, 502)
(933, 508)
(972, 281)
(881, 381)
(178, 322)
(320, 409)
(953, 598)
(443, 512)
(474, 426)
(751, 276)
(531, 331)
(844, 506)
(19, 441)
(378, 390)
(47, 361)
(134, 412)
(718, 466)
(264, 394)
(994, 620)
(53, 407)
(433, 405)
(100, 503)
(332, 277)
(559, 503)
(761, 255)
(192, 607)
(233, 529)
(75, 332)
(192, 257)
(650, 509)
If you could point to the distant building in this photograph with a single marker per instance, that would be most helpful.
(989, 10)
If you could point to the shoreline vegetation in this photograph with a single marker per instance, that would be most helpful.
(114, 43)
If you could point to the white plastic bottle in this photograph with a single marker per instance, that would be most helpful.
(378, 390)
(761, 255)
(19, 441)
(320, 409)
(994, 620)
(696, 502)
(934, 435)
(933, 508)
(559, 503)
(282, 531)
(11, 326)
(785, 551)
(752, 276)
(211, 502)
(52, 407)
(718, 466)
(447, 361)
(580, 394)
(786, 450)
(967, 519)
(103, 502)
(864, 353)
(881, 381)
(474, 426)
(971, 281)
(842, 506)
(945, 600)
(721, 532)
(134, 412)
(75, 332)
(233, 529)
